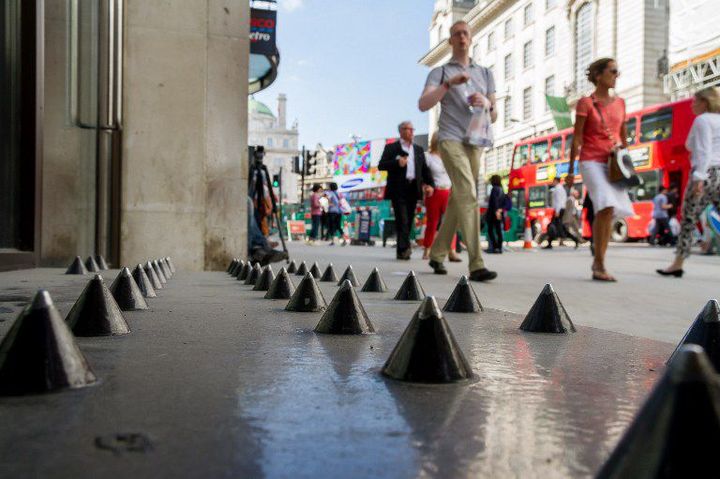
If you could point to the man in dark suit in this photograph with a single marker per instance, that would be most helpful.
(408, 179)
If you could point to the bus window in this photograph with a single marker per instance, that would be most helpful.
(656, 126)
(568, 146)
(523, 155)
(537, 197)
(631, 131)
(556, 149)
(538, 152)
(518, 199)
(648, 188)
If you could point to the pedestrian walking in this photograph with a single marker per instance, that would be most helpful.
(599, 131)
(436, 204)
(316, 212)
(571, 218)
(494, 216)
(590, 218)
(334, 213)
(408, 179)
(703, 187)
(466, 92)
(661, 217)
(559, 198)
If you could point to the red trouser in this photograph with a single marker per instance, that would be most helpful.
(435, 207)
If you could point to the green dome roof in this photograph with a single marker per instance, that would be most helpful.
(259, 107)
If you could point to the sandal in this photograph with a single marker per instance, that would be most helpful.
(603, 276)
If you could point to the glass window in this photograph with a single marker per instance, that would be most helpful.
(631, 131)
(508, 28)
(508, 66)
(528, 14)
(507, 112)
(527, 103)
(286, 143)
(550, 41)
(491, 41)
(524, 154)
(583, 45)
(527, 55)
(269, 142)
(648, 188)
(549, 88)
(538, 152)
(656, 126)
(537, 196)
(568, 146)
(550, 4)
(518, 199)
(556, 148)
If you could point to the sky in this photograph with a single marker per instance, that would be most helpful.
(350, 67)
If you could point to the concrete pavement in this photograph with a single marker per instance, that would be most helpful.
(641, 303)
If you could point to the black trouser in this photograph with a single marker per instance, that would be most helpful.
(662, 228)
(333, 225)
(404, 208)
(495, 232)
(559, 231)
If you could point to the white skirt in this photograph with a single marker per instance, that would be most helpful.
(603, 193)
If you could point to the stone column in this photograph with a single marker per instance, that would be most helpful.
(185, 132)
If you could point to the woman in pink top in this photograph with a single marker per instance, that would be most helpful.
(315, 211)
(599, 130)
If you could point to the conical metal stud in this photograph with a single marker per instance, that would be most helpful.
(237, 268)
(102, 264)
(410, 289)
(158, 271)
(427, 351)
(329, 275)
(232, 265)
(302, 269)
(267, 276)
(463, 299)
(77, 267)
(281, 287)
(143, 282)
(292, 267)
(126, 292)
(307, 297)
(677, 430)
(315, 270)
(244, 272)
(150, 272)
(164, 268)
(348, 274)
(705, 332)
(91, 265)
(170, 263)
(96, 313)
(374, 283)
(253, 275)
(39, 353)
(547, 315)
(345, 314)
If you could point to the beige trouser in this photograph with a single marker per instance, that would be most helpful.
(462, 163)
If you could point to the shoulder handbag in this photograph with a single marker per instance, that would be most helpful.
(621, 169)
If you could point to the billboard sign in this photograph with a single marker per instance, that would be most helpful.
(263, 27)
(355, 165)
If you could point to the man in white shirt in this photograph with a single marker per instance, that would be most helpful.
(559, 198)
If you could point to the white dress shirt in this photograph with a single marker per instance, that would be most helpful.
(410, 150)
(437, 169)
(703, 141)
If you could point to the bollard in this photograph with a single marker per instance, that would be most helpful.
(126, 292)
(253, 275)
(329, 275)
(281, 287)
(267, 276)
(349, 275)
(307, 297)
(411, 289)
(77, 267)
(547, 315)
(143, 282)
(91, 265)
(705, 332)
(463, 299)
(150, 272)
(374, 283)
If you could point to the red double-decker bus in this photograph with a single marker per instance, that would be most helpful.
(656, 140)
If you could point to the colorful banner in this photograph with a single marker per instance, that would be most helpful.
(355, 165)
(263, 24)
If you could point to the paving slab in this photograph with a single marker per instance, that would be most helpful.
(215, 381)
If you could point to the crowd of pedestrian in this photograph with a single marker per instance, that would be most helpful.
(327, 208)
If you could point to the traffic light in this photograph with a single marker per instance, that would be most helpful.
(276, 181)
(296, 165)
(310, 163)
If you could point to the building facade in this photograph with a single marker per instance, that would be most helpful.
(280, 142)
(539, 47)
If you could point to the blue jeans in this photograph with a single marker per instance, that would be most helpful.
(316, 224)
(255, 237)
